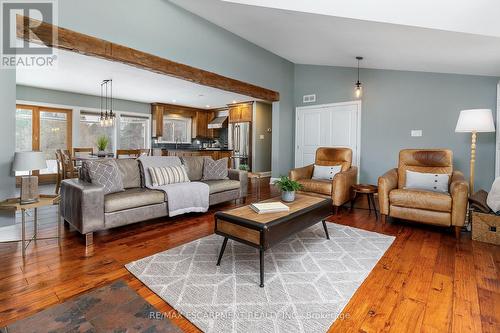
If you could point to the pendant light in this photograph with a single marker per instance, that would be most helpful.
(107, 118)
(357, 91)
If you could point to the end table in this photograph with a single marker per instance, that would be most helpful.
(43, 201)
(369, 190)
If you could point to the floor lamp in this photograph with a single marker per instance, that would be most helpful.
(474, 121)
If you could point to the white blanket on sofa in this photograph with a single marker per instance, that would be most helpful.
(181, 197)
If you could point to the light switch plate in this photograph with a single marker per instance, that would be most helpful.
(416, 132)
(262, 137)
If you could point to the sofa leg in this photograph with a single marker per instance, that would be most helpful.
(66, 224)
(335, 210)
(383, 217)
(89, 239)
(457, 232)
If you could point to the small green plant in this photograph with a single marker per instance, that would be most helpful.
(285, 184)
(102, 142)
(244, 167)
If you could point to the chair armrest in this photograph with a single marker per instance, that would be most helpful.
(386, 183)
(459, 190)
(242, 177)
(82, 205)
(301, 173)
(342, 186)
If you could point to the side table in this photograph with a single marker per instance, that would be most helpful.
(43, 201)
(369, 191)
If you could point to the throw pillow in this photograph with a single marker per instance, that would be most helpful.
(194, 166)
(215, 170)
(435, 182)
(493, 199)
(106, 174)
(129, 170)
(325, 172)
(168, 175)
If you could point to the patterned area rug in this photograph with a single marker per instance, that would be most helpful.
(308, 280)
(113, 308)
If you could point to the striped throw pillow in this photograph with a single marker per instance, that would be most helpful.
(168, 175)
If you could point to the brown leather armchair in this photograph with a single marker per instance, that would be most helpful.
(339, 189)
(443, 209)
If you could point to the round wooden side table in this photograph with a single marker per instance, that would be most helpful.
(369, 191)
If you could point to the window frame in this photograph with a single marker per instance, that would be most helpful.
(36, 109)
(189, 127)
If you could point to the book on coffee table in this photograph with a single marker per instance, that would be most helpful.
(269, 207)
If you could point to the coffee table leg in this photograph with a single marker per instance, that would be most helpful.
(326, 230)
(222, 251)
(261, 268)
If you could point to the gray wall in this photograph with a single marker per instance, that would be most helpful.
(262, 153)
(163, 29)
(7, 130)
(395, 102)
(40, 95)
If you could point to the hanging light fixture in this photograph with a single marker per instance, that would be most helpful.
(107, 118)
(358, 84)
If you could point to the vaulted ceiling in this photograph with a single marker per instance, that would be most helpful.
(447, 36)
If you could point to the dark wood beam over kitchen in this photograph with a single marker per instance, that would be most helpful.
(41, 32)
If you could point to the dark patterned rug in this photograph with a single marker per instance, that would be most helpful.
(113, 308)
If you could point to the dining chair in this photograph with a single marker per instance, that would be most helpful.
(68, 167)
(82, 151)
(59, 175)
(131, 153)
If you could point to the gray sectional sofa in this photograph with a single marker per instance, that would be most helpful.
(85, 206)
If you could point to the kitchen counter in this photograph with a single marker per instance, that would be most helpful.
(196, 149)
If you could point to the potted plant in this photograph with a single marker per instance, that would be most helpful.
(244, 167)
(102, 144)
(288, 188)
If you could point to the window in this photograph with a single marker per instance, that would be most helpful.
(43, 129)
(133, 132)
(90, 130)
(176, 129)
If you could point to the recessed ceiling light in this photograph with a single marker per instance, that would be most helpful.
(234, 101)
(201, 95)
(208, 106)
(174, 101)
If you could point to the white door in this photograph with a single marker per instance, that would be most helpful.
(331, 125)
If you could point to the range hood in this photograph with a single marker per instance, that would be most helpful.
(218, 122)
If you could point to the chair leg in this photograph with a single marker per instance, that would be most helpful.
(89, 239)
(457, 232)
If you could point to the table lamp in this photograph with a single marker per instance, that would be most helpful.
(29, 161)
(474, 121)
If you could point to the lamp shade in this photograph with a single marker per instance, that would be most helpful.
(29, 161)
(475, 120)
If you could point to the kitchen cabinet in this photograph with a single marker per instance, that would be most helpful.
(157, 120)
(203, 118)
(240, 113)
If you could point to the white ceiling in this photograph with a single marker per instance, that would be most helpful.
(83, 74)
(447, 36)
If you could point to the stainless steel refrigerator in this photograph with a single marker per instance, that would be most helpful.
(239, 142)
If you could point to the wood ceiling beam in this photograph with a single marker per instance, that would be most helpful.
(38, 32)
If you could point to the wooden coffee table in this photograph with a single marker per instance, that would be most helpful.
(263, 231)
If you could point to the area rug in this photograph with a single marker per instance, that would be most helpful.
(113, 308)
(308, 280)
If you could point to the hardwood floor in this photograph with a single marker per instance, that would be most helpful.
(426, 281)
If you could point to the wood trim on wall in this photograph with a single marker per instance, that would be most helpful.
(35, 31)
